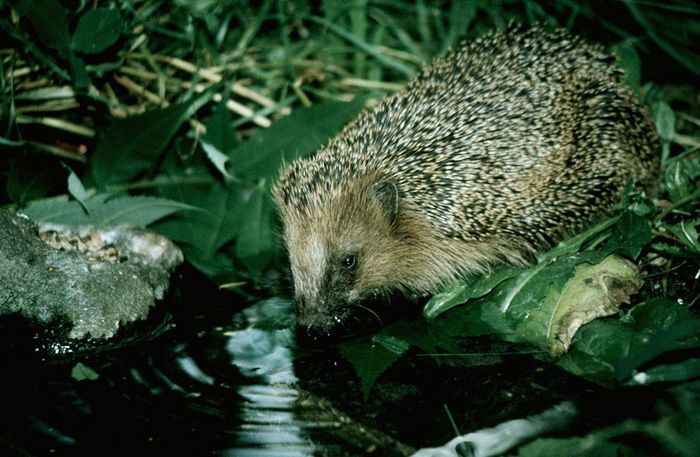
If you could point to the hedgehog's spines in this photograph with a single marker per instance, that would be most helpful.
(497, 151)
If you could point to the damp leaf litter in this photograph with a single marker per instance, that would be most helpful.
(175, 118)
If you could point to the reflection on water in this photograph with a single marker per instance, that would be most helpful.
(226, 390)
(262, 353)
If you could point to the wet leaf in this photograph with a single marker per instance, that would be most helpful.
(683, 371)
(475, 288)
(545, 305)
(296, 135)
(97, 30)
(679, 335)
(609, 351)
(81, 372)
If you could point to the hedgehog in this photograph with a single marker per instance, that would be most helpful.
(492, 154)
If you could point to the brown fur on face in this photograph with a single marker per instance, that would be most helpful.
(394, 246)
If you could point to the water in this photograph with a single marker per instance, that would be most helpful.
(227, 383)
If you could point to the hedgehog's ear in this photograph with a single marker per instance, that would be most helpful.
(387, 195)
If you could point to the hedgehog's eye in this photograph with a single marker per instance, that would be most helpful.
(349, 262)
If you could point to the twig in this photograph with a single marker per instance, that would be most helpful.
(368, 84)
(137, 89)
(57, 151)
(55, 123)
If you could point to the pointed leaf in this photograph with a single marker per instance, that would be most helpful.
(133, 145)
(140, 211)
(371, 357)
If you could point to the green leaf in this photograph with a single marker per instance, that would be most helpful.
(219, 139)
(545, 305)
(205, 231)
(672, 338)
(683, 371)
(372, 356)
(296, 135)
(97, 30)
(677, 181)
(76, 188)
(461, 293)
(82, 372)
(608, 351)
(629, 61)
(50, 23)
(686, 233)
(139, 211)
(133, 145)
(665, 120)
(255, 243)
(629, 236)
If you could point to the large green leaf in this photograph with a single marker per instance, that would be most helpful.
(219, 139)
(255, 242)
(544, 305)
(133, 145)
(623, 350)
(101, 210)
(205, 231)
(97, 30)
(50, 23)
(298, 134)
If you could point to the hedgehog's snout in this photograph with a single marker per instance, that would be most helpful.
(321, 314)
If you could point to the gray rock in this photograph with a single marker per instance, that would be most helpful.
(95, 278)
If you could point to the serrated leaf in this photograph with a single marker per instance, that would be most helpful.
(629, 235)
(139, 211)
(371, 357)
(298, 134)
(133, 145)
(97, 30)
(81, 372)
